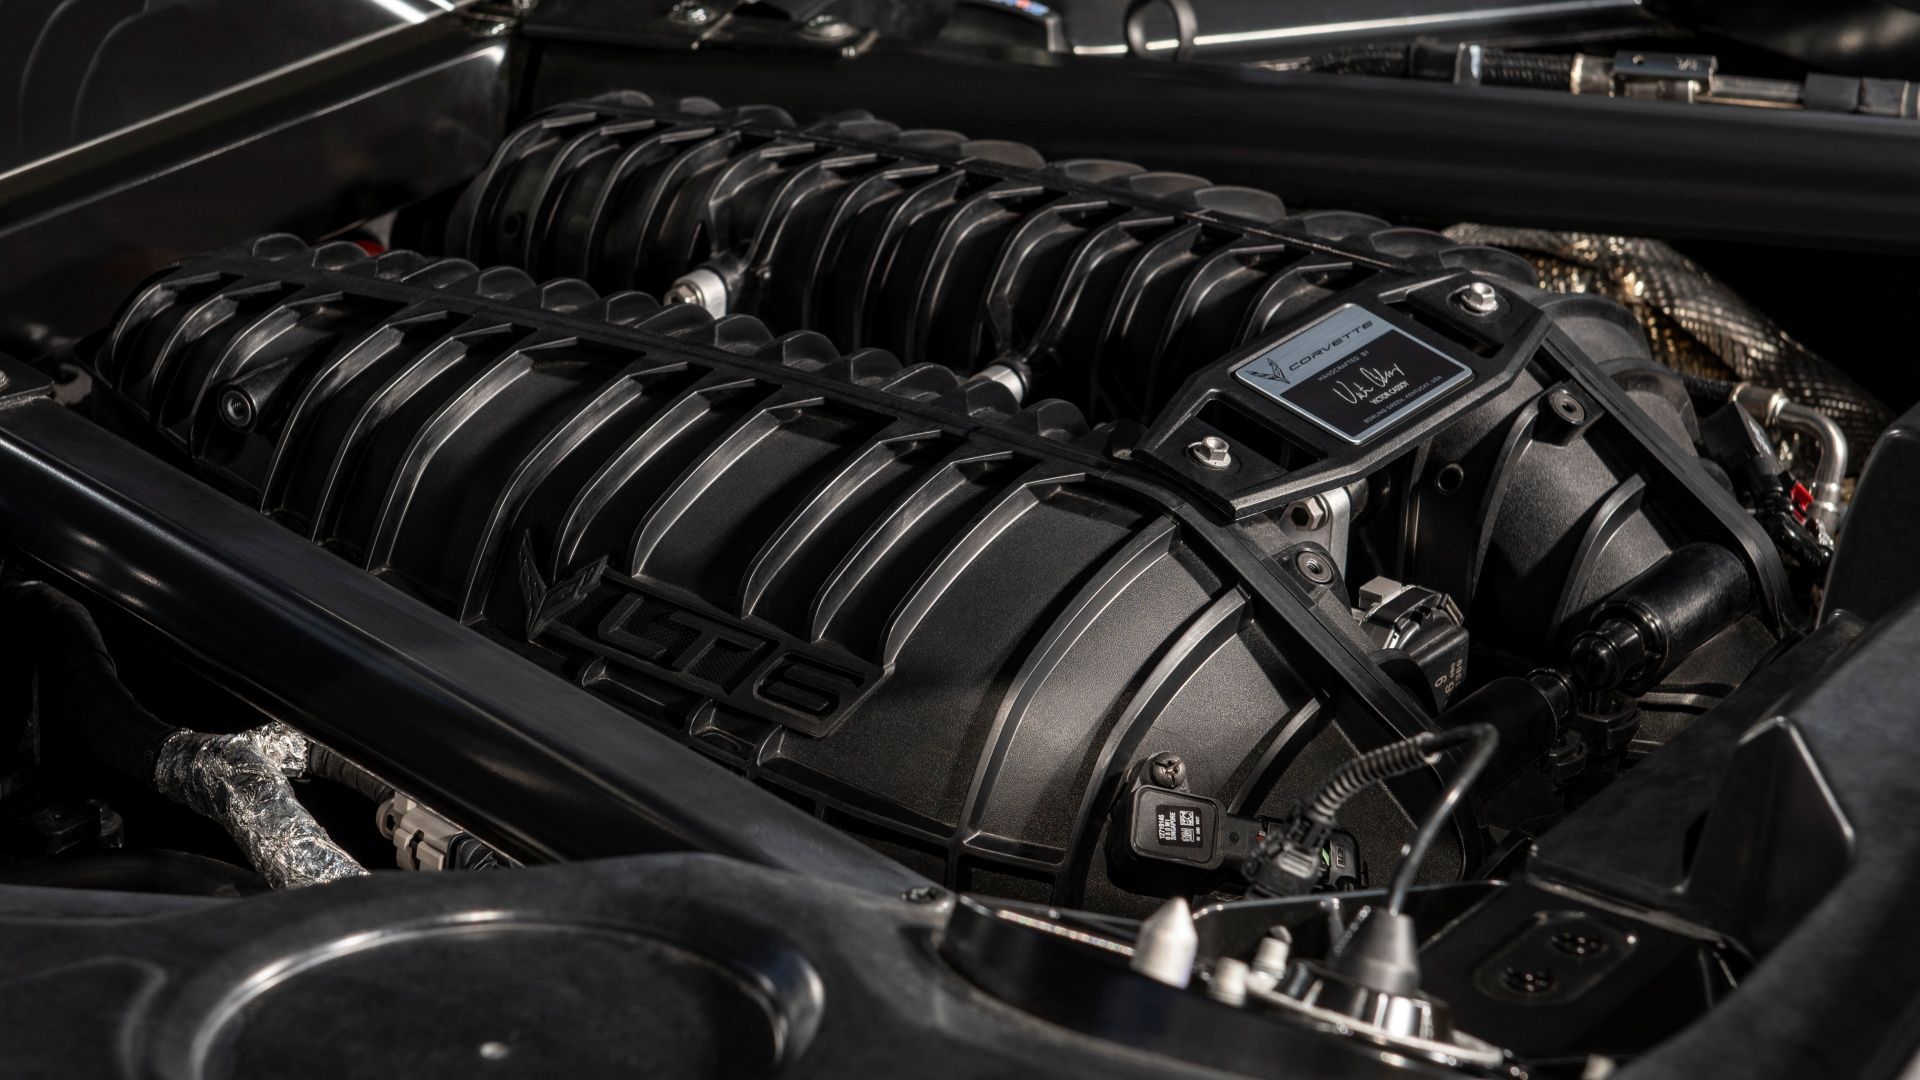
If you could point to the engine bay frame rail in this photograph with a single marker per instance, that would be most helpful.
(1487, 153)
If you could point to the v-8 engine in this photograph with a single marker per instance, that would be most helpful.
(963, 497)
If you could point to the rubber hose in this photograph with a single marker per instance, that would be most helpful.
(1532, 71)
(1389, 60)
(1706, 393)
(327, 765)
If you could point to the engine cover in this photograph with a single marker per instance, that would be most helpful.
(1115, 287)
(1097, 281)
(950, 623)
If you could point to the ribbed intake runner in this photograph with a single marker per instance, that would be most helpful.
(939, 619)
(1105, 283)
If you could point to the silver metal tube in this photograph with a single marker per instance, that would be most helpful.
(702, 288)
(1008, 376)
(242, 782)
(1830, 470)
(1775, 410)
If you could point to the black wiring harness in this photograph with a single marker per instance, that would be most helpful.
(1287, 862)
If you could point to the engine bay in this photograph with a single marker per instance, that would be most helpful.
(506, 536)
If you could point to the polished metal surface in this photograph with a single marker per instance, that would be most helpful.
(1253, 27)
(531, 763)
(1479, 298)
(1213, 452)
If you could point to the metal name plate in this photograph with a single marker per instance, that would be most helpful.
(1353, 373)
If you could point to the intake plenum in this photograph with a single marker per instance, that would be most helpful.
(1098, 281)
(946, 622)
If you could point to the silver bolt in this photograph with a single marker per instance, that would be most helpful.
(690, 13)
(236, 408)
(1313, 567)
(1274, 952)
(1229, 984)
(1309, 513)
(1479, 298)
(1212, 452)
(1006, 375)
(1567, 406)
(700, 287)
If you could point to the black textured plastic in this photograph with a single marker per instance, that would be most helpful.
(900, 599)
(1109, 282)
(947, 622)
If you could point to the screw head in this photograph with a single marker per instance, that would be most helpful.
(1567, 407)
(236, 408)
(690, 13)
(924, 894)
(1168, 771)
(1477, 298)
(1314, 567)
(1212, 452)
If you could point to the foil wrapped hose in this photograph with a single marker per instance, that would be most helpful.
(244, 782)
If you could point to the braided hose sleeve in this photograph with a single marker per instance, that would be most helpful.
(1485, 740)
(1531, 71)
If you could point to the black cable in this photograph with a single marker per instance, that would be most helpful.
(327, 765)
(1707, 393)
(1288, 859)
(1529, 71)
(1360, 773)
(1387, 60)
(1749, 461)
(1485, 740)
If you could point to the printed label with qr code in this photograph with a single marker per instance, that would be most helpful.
(1181, 826)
